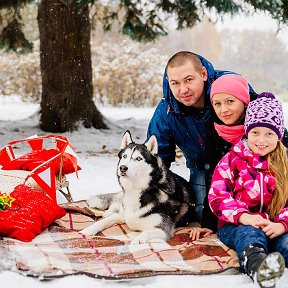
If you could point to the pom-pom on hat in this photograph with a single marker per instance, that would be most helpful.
(265, 111)
(233, 84)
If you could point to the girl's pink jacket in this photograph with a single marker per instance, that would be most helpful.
(242, 183)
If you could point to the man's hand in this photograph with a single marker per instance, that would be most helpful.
(197, 233)
(254, 220)
(273, 230)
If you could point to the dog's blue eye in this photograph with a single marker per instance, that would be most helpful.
(139, 158)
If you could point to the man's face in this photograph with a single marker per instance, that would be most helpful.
(187, 85)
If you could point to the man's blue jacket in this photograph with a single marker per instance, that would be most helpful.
(175, 124)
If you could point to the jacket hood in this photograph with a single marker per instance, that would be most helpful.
(253, 159)
(174, 104)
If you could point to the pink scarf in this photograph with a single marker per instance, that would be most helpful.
(231, 134)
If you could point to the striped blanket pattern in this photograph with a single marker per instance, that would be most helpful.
(60, 250)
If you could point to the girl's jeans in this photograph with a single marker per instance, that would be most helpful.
(239, 237)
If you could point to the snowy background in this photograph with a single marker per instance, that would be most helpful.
(97, 151)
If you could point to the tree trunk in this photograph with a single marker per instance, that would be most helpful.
(65, 57)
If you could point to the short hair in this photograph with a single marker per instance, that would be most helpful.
(181, 57)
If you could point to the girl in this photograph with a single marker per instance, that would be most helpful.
(249, 194)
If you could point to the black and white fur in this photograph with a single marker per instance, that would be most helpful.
(153, 199)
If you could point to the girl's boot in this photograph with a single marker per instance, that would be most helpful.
(263, 269)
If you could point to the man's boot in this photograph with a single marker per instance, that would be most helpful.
(264, 269)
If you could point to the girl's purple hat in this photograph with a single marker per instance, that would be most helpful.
(265, 111)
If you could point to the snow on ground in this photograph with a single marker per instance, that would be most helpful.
(97, 151)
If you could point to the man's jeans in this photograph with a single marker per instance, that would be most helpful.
(197, 184)
(239, 237)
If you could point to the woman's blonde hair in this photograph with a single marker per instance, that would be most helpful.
(278, 165)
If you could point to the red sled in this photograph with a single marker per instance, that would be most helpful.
(46, 159)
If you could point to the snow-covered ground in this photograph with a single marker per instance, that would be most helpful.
(97, 151)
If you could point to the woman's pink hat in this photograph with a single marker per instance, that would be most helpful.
(233, 84)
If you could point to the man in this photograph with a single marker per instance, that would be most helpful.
(181, 115)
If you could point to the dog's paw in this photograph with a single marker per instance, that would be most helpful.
(107, 213)
(147, 236)
(143, 241)
(142, 238)
(96, 202)
(138, 240)
(114, 208)
(89, 231)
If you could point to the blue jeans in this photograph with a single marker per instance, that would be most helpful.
(239, 237)
(197, 184)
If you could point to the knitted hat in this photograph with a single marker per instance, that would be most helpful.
(233, 84)
(265, 111)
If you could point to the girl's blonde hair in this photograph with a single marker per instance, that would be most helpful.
(278, 165)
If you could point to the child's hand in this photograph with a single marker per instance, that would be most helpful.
(254, 220)
(197, 233)
(273, 230)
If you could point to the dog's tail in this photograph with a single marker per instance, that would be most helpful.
(103, 201)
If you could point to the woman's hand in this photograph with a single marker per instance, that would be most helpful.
(254, 220)
(197, 233)
(273, 230)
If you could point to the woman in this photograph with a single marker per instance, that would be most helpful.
(229, 98)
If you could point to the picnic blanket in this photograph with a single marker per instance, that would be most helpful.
(60, 250)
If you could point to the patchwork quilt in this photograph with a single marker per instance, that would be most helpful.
(60, 250)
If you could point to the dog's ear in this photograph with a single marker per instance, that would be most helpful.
(152, 144)
(126, 140)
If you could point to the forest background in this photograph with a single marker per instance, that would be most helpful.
(126, 72)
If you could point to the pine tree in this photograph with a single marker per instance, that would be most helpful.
(65, 53)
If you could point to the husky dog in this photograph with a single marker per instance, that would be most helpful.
(153, 199)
